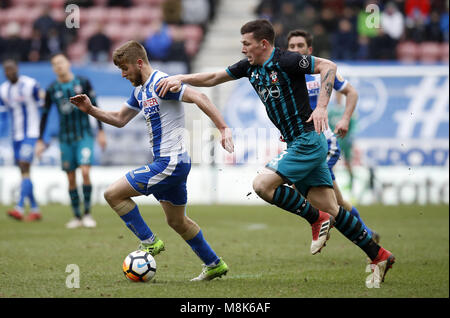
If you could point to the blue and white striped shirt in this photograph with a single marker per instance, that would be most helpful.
(22, 101)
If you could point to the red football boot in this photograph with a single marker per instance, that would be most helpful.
(381, 264)
(321, 231)
(15, 214)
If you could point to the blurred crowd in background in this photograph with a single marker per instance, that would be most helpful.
(407, 30)
(173, 30)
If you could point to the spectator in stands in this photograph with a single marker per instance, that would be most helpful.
(265, 11)
(159, 42)
(329, 20)
(445, 24)
(321, 41)
(307, 18)
(392, 22)
(99, 45)
(287, 16)
(38, 49)
(55, 42)
(344, 41)
(266, 6)
(44, 22)
(392, 29)
(80, 3)
(280, 39)
(5, 4)
(433, 30)
(120, 3)
(195, 12)
(417, 16)
(14, 47)
(172, 11)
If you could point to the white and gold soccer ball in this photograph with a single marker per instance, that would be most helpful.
(139, 266)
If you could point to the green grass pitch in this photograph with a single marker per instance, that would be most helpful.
(267, 250)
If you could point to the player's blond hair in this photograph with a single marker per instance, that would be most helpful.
(129, 53)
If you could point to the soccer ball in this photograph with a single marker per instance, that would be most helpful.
(139, 266)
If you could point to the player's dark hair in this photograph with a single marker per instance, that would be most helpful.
(57, 54)
(129, 53)
(308, 36)
(262, 29)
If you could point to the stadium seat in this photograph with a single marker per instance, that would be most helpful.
(77, 51)
(191, 47)
(407, 51)
(193, 32)
(17, 14)
(101, 3)
(115, 15)
(97, 14)
(140, 14)
(444, 52)
(114, 31)
(87, 30)
(58, 14)
(153, 3)
(131, 31)
(429, 52)
(25, 31)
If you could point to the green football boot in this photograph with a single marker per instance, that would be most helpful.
(154, 248)
(211, 272)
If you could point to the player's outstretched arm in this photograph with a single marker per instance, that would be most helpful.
(204, 103)
(351, 98)
(327, 70)
(173, 83)
(117, 119)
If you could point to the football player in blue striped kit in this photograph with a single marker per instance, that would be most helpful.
(301, 41)
(20, 95)
(76, 138)
(166, 173)
(279, 79)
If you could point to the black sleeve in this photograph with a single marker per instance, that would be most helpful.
(45, 110)
(239, 69)
(297, 64)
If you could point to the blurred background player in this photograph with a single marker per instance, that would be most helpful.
(20, 95)
(301, 41)
(76, 140)
(165, 177)
(335, 113)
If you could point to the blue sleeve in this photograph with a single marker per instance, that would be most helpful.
(171, 95)
(133, 102)
(36, 92)
(339, 82)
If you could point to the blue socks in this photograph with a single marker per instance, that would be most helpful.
(26, 191)
(355, 213)
(201, 247)
(136, 224)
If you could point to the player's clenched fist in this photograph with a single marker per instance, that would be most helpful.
(82, 101)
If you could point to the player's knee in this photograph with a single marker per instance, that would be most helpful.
(176, 223)
(109, 195)
(260, 186)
